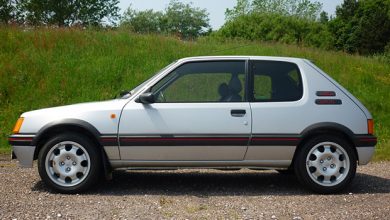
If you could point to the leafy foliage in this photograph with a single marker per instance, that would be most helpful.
(277, 28)
(178, 18)
(68, 12)
(147, 21)
(298, 8)
(243, 7)
(362, 26)
(186, 20)
(286, 21)
(7, 11)
(324, 17)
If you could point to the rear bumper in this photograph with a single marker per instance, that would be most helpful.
(365, 154)
(365, 147)
(22, 149)
(365, 140)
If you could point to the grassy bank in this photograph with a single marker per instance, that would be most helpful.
(51, 67)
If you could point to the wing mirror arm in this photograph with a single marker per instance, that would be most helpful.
(146, 98)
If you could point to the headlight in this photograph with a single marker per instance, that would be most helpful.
(18, 125)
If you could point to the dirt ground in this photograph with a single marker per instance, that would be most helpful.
(195, 194)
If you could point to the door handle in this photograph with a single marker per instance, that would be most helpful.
(238, 112)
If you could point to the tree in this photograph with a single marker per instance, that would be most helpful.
(277, 28)
(347, 9)
(185, 20)
(300, 8)
(178, 18)
(243, 7)
(7, 11)
(69, 12)
(362, 26)
(305, 9)
(324, 17)
(142, 22)
(374, 25)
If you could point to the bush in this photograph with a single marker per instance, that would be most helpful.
(278, 28)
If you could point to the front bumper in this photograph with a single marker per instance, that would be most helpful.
(25, 155)
(22, 149)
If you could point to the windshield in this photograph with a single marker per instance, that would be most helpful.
(136, 89)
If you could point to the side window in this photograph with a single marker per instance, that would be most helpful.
(276, 81)
(214, 81)
(263, 88)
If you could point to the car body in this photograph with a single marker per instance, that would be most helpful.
(207, 112)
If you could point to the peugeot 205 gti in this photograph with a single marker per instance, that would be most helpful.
(206, 112)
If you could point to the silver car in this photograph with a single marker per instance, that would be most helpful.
(206, 112)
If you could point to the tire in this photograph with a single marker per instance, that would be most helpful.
(286, 172)
(325, 164)
(69, 163)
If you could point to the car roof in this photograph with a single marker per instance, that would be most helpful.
(271, 58)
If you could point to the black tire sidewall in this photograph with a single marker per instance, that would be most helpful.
(303, 175)
(95, 163)
(286, 172)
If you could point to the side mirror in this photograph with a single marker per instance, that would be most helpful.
(146, 98)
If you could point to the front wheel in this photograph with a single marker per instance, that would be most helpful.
(69, 163)
(286, 172)
(325, 164)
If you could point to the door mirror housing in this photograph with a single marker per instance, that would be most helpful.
(146, 98)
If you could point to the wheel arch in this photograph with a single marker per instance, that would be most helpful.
(329, 128)
(70, 125)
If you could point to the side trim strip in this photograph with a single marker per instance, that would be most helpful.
(365, 140)
(184, 141)
(109, 141)
(275, 140)
(20, 140)
(205, 140)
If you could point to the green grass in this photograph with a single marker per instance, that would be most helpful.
(50, 67)
(5, 151)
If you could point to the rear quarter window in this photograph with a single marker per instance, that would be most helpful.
(276, 81)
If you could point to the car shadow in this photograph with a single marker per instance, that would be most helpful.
(204, 184)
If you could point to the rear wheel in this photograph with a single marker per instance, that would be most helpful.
(69, 163)
(325, 164)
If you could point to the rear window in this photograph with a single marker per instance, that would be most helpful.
(276, 81)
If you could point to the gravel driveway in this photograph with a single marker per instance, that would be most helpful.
(195, 194)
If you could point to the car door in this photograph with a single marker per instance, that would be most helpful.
(277, 107)
(199, 114)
